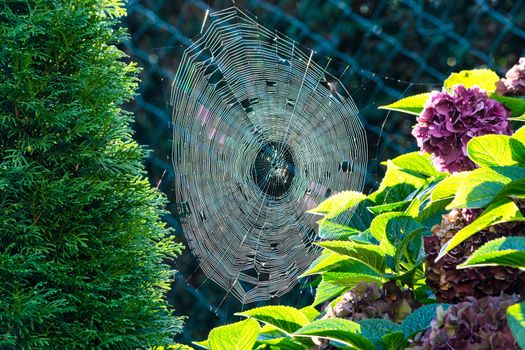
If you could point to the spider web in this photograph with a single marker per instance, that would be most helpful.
(262, 133)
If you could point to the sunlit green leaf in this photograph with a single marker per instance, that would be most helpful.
(447, 188)
(369, 254)
(480, 186)
(326, 291)
(504, 251)
(513, 189)
(327, 261)
(338, 203)
(355, 273)
(310, 312)
(491, 150)
(333, 230)
(412, 104)
(483, 78)
(416, 162)
(236, 336)
(517, 145)
(516, 320)
(397, 185)
(338, 329)
(270, 332)
(285, 318)
(174, 347)
(502, 211)
(384, 208)
(391, 228)
(202, 344)
(281, 343)
(519, 135)
(420, 319)
(341, 225)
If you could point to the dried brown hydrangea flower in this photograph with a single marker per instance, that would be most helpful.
(367, 300)
(479, 324)
(453, 285)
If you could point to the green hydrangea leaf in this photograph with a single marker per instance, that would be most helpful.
(354, 273)
(202, 344)
(364, 237)
(515, 104)
(391, 228)
(375, 329)
(420, 319)
(517, 145)
(412, 104)
(285, 318)
(345, 214)
(504, 251)
(342, 271)
(270, 332)
(519, 135)
(410, 249)
(333, 230)
(516, 320)
(327, 261)
(310, 312)
(337, 329)
(236, 336)
(369, 254)
(346, 223)
(420, 207)
(416, 162)
(483, 78)
(378, 230)
(447, 188)
(480, 186)
(395, 341)
(430, 211)
(491, 150)
(338, 203)
(384, 208)
(281, 343)
(502, 211)
(326, 291)
(514, 189)
(397, 184)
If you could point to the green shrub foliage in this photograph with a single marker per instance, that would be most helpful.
(83, 250)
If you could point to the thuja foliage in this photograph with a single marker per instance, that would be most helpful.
(83, 251)
(435, 257)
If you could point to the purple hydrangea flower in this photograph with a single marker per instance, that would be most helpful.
(514, 82)
(450, 120)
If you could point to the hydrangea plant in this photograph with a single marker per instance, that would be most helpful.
(435, 256)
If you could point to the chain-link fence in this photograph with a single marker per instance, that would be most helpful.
(382, 50)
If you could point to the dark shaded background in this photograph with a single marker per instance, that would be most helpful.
(386, 49)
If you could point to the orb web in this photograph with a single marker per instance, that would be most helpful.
(262, 133)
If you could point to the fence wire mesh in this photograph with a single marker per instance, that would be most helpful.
(382, 50)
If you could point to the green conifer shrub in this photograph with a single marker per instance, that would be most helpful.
(83, 250)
